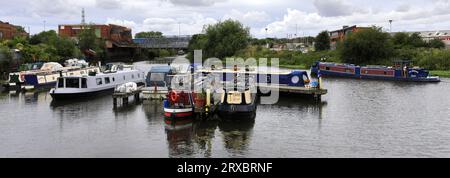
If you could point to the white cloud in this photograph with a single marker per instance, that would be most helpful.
(248, 18)
(108, 4)
(195, 2)
(331, 8)
(280, 17)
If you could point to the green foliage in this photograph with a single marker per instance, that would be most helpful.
(436, 43)
(56, 47)
(322, 41)
(47, 37)
(289, 59)
(89, 41)
(150, 34)
(371, 46)
(434, 59)
(416, 41)
(400, 39)
(222, 40)
(164, 53)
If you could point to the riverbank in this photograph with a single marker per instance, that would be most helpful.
(441, 73)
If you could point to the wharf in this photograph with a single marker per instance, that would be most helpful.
(124, 96)
(315, 92)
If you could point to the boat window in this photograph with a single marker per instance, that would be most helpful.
(61, 83)
(107, 81)
(72, 83)
(99, 81)
(157, 77)
(83, 83)
(132, 76)
(82, 72)
(124, 77)
(139, 75)
(327, 68)
(114, 79)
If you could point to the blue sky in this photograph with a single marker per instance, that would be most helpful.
(283, 17)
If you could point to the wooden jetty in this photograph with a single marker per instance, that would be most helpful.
(315, 92)
(124, 96)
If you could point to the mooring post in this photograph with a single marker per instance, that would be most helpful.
(136, 97)
(125, 100)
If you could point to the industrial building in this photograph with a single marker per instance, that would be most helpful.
(9, 31)
(443, 35)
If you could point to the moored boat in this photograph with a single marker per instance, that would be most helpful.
(17, 79)
(68, 87)
(157, 82)
(401, 71)
(178, 105)
(47, 79)
(238, 98)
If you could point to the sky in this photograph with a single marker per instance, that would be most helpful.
(281, 18)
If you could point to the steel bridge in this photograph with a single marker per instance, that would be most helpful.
(166, 42)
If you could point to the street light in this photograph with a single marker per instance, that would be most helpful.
(390, 23)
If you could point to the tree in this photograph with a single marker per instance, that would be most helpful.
(47, 37)
(400, 39)
(88, 41)
(369, 46)
(416, 41)
(225, 38)
(322, 41)
(150, 34)
(436, 43)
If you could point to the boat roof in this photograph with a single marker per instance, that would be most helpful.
(161, 69)
(101, 74)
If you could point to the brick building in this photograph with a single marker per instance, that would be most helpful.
(339, 35)
(118, 39)
(9, 31)
(113, 34)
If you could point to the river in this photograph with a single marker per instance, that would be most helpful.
(357, 118)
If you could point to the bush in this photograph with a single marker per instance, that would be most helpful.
(370, 46)
(435, 59)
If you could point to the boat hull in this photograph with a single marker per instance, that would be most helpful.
(70, 96)
(237, 112)
(378, 73)
(181, 113)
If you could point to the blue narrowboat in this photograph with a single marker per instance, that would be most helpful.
(401, 71)
(295, 78)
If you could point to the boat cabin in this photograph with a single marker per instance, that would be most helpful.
(158, 76)
(102, 80)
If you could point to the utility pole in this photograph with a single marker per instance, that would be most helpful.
(83, 17)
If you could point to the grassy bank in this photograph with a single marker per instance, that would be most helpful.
(303, 67)
(441, 73)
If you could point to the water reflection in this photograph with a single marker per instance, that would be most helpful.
(180, 138)
(190, 138)
(301, 104)
(236, 135)
(153, 111)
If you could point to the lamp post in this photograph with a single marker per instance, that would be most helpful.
(390, 25)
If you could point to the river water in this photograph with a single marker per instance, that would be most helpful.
(357, 118)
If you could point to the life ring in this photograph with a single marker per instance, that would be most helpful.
(173, 96)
